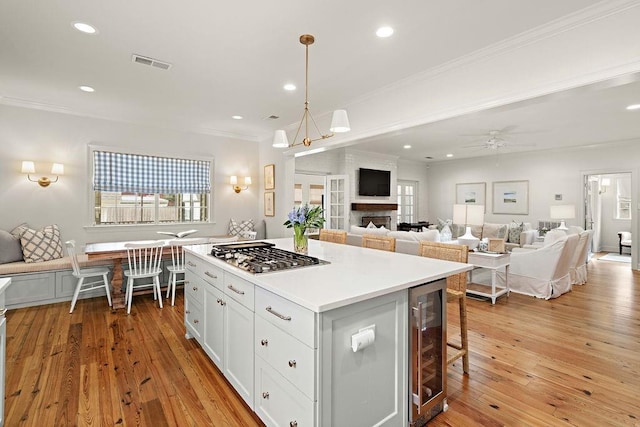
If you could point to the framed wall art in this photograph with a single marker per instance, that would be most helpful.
(270, 177)
(472, 193)
(269, 203)
(511, 197)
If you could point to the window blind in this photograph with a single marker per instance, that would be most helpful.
(122, 172)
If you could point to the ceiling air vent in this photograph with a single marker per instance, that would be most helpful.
(145, 60)
(273, 117)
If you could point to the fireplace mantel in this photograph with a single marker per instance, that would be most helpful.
(374, 206)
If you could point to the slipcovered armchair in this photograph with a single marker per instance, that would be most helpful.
(624, 240)
(542, 272)
(578, 268)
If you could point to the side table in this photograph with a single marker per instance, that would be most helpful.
(493, 262)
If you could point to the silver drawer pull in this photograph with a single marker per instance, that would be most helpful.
(188, 312)
(196, 321)
(189, 263)
(213, 276)
(275, 313)
(195, 288)
(221, 302)
(264, 343)
(265, 395)
(293, 424)
(292, 363)
(237, 291)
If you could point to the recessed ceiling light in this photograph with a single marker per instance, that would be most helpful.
(85, 28)
(383, 32)
(406, 147)
(449, 155)
(237, 117)
(86, 88)
(634, 107)
(289, 86)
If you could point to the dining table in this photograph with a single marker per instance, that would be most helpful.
(116, 252)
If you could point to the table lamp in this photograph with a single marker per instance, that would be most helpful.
(562, 212)
(468, 215)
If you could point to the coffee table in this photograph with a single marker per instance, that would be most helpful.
(493, 262)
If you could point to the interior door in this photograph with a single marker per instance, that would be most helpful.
(336, 202)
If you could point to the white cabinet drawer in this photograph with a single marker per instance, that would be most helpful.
(208, 272)
(290, 317)
(290, 357)
(194, 287)
(193, 319)
(278, 403)
(239, 289)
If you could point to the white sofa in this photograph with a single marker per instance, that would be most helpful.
(407, 242)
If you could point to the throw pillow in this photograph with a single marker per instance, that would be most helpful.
(358, 230)
(10, 249)
(17, 232)
(236, 229)
(515, 229)
(371, 225)
(41, 245)
(442, 223)
(495, 231)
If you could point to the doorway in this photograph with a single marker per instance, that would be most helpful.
(608, 212)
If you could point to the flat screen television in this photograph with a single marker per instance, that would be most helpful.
(372, 182)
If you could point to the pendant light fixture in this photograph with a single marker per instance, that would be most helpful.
(339, 122)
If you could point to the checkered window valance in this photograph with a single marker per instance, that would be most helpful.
(122, 172)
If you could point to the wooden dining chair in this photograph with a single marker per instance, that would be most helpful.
(86, 273)
(456, 291)
(375, 241)
(144, 263)
(335, 236)
(177, 262)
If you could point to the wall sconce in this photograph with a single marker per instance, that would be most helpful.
(57, 169)
(234, 183)
(604, 183)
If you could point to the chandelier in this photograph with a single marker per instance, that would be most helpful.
(339, 121)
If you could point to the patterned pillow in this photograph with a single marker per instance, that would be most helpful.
(515, 229)
(17, 232)
(236, 229)
(442, 223)
(41, 245)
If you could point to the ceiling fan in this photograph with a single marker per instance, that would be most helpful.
(494, 141)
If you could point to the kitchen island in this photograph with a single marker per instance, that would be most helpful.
(322, 345)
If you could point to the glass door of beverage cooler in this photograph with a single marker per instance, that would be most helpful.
(428, 346)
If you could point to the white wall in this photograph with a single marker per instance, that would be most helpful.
(548, 173)
(47, 137)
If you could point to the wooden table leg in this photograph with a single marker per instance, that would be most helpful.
(117, 296)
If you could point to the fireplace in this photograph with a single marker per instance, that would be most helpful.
(377, 221)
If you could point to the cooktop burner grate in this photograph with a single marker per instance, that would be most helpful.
(262, 257)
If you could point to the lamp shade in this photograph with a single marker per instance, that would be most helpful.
(340, 122)
(247, 180)
(57, 169)
(28, 167)
(280, 139)
(562, 212)
(468, 214)
(233, 180)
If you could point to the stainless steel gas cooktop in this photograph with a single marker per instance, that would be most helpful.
(262, 257)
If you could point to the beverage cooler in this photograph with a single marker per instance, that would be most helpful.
(427, 352)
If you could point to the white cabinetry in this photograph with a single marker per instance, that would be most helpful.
(226, 306)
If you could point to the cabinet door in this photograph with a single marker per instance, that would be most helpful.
(238, 352)
(213, 324)
(278, 403)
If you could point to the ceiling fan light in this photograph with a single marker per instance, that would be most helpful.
(280, 139)
(340, 122)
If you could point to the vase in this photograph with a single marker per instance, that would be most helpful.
(300, 240)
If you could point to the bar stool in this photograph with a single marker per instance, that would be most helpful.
(456, 291)
(374, 241)
(335, 236)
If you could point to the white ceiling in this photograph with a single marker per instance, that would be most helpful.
(233, 58)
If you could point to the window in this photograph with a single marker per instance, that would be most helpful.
(623, 198)
(407, 201)
(139, 189)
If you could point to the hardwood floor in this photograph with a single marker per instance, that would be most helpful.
(574, 361)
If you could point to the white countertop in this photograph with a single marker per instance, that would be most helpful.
(4, 284)
(354, 274)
